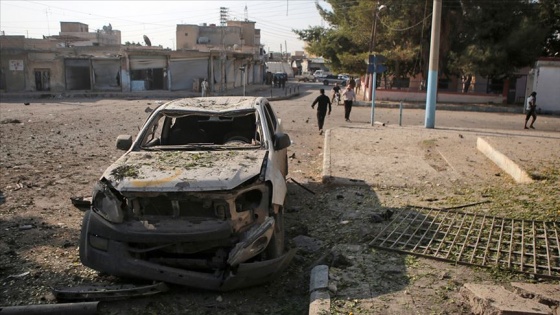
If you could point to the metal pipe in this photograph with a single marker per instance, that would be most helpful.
(400, 114)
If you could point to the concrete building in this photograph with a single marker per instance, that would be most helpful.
(239, 36)
(78, 60)
(78, 34)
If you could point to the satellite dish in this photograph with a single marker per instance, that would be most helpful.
(147, 40)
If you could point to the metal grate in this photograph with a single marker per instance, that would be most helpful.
(531, 247)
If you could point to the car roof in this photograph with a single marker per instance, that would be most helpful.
(213, 104)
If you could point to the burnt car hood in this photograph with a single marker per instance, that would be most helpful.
(175, 171)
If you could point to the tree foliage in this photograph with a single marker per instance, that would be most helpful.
(549, 18)
(491, 38)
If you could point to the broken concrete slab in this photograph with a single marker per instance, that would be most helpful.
(548, 294)
(496, 300)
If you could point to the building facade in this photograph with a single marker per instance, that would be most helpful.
(76, 61)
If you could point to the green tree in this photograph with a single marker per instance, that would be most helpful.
(491, 38)
(497, 39)
(549, 18)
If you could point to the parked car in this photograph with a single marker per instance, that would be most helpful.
(344, 76)
(305, 77)
(334, 79)
(196, 200)
(319, 74)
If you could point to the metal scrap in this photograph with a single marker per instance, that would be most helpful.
(525, 246)
(85, 308)
(108, 292)
(300, 185)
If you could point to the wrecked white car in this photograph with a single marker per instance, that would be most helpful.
(196, 200)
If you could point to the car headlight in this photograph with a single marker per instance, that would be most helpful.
(106, 204)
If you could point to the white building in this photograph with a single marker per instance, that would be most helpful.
(544, 79)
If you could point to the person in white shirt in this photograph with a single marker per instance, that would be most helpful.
(349, 97)
(531, 108)
(204, 88)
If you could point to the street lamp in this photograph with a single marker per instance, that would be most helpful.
(374, 27)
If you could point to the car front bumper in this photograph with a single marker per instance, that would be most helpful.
(116, 259)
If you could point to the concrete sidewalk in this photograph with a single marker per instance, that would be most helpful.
(393, 156)
(250, 90)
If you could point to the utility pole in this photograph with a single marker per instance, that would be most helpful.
(376, 11)
(223, 20)
(431, 93)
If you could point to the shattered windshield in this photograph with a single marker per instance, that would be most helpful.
(227, 130)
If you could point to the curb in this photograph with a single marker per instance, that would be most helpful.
(326, 173)
(320, 299)
(450, 107)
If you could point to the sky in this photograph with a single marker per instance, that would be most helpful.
(158, 19)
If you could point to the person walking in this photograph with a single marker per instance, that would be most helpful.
(204, 88)
(358, 85)
(322, 101)
(349, 97)
(335, 93)
(531, 108)
(352, 83)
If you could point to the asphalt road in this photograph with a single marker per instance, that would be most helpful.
(444, 119)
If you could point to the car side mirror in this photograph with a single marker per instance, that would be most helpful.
(281, 141)
(124, 142)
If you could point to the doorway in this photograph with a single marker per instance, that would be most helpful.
(42, 79)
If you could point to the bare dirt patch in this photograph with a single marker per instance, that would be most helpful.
(50, 152)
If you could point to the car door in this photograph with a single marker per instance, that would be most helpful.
(279, 158)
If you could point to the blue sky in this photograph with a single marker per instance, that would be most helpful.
(157, 19)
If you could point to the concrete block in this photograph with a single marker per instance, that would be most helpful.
(319, 278)
(495, 300)
(320, 303)
(503, 162)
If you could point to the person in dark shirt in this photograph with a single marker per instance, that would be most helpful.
(322, 101)
(335, 92)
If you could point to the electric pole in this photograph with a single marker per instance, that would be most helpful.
(431, 93)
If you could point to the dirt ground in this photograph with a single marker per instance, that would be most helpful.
(53, 150)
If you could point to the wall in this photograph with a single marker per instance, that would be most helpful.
(45, 61)
(14, 66)
(397, 96)
(247, 32)
(546, 82)
(10, 41)
(73, 27)
(237, 36)
(186, 36)
(88, 39)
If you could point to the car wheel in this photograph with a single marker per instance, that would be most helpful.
(83, 237)
(276, 245)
